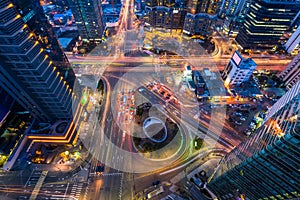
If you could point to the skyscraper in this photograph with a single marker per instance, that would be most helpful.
(234, 8)
(199, 24)
(198, 6)
(266, 22)
(200, 17)
(164, 13)
(89, 18)
(238, 70)
(267, 165)
(293, 41)
(291, 75)
(26, 71)
(33, 15)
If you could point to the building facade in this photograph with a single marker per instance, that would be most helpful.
(89, 18)
(238, 70)
(26, 71)
(293, 41)
(165, 14)
(291, 75)
(233, 12)
(33, 15)
(199, 24)
(234, 8)
(267, 165)
(266, 22)
(200, 17)
(165, 17)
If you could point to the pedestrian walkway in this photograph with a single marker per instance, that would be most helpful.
(38, 185)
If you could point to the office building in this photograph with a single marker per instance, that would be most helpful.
(198, 6)
(165, 17)
(234, 8)
(89, 18)
(266, 22)
(164, 14)
(167, 3)
(199, 24)
(233, 12)
(238, 70)
(291, 75)
(33, 15)
(26, 71)
(293, 41)
(267, 165)
(200, 17)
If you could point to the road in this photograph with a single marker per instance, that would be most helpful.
(203, 61)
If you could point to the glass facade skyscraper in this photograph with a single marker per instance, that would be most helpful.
(26, 71)
(89, 18)
(267, 165)
(266, 22)
(33, 15)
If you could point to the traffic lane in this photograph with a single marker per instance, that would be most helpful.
(110, 188)
(183, 116)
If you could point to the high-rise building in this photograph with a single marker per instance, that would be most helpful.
(234, 8)
(266, 22)
(267, 165)
(238, 70)
(198, 6)
(89, 18)
(26, 71)
(291, 75)
(166, 17)
(165, 14)
(33, 15)
(293, 41)
(233, 12)
(167, 3)
(199, 24)
(201, 16)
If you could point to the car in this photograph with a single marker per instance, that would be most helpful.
(248, 133)
(197, 182)
(243, 119)
(238, 123)
(99, 168)
(156, 183)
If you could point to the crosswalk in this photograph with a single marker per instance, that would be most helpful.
(38, 185)
(76, 190)
(108, 174)
(44, 186)
(121, 186)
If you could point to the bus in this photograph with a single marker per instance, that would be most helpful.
(155, 192)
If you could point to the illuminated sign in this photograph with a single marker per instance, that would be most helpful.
(236, 58)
